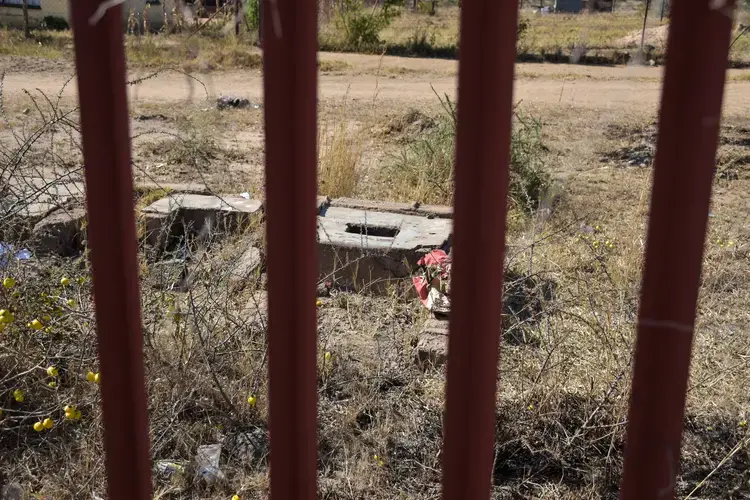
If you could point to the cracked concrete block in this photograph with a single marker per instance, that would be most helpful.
(369, 250)
(60, 232)
(26, 201)
(196, 213)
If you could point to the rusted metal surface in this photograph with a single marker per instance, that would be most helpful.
(290, 95)
(485, 88)
(686, 150)
(100, 63)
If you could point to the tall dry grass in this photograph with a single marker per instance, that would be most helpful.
(340, 153)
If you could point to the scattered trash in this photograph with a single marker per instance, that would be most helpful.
(245, 195)
(433, 286)
(249, 446)
(7, 248)
(167, 468)
(207, 464)
(324, 289)
(229, 101)
(24, 254)
(143, 118)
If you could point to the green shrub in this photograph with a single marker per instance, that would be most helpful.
(55, 23)
(424, 169)
(362, 26)
(253, 14)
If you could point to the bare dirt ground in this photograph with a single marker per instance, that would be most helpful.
(410, 80)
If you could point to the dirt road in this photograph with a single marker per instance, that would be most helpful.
(409, 80)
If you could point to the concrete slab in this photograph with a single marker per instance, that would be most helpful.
(415, 208)
(193, 188)
(195, 213)
(368, 250)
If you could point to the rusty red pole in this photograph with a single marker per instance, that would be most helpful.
(290, 94)
(100, 62)
(686, 153)
(485, 102)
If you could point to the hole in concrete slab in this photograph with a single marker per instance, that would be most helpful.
(378, 231)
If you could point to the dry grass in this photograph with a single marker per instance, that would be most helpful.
(340, 156)
(565, 359)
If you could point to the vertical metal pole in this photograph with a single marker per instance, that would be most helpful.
(290, 94)
(100, 63)
(237, 18)
(26, 27)
(685, 156)
(485, 95)
(643, 30)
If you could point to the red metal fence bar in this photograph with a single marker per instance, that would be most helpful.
(100, 61)
(685, 158)
(290, 95)
(485, 94)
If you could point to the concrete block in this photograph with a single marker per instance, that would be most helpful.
(29, 200)
(195, 213)
(368, 250)
(432, 346)
(429, 211)
(60, 232)
(246, 267)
